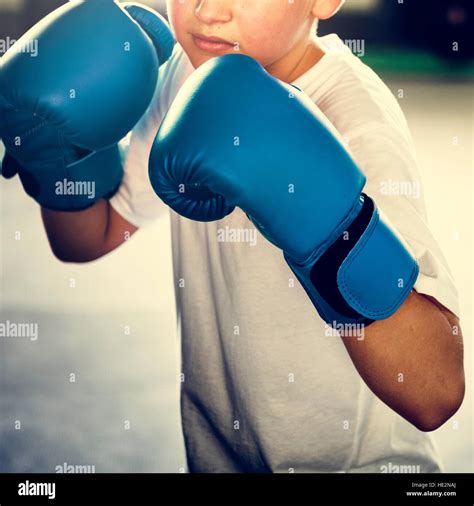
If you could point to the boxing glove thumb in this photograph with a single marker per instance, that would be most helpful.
(155, 26)
(10, 167)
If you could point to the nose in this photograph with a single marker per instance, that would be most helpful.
(213, 11)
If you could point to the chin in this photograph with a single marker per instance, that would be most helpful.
(199, 59)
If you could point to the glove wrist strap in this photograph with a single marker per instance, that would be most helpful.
(365, 275)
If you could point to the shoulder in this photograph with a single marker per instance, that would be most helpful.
(353, 97)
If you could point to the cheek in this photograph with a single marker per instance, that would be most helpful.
(178, 15)
(270, 28)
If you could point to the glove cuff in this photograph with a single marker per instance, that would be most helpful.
(359, 280)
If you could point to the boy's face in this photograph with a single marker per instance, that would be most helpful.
(266, 30)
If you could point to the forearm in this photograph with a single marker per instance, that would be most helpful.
(84, 236)
(413, 361)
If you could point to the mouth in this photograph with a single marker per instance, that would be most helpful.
(213, 45)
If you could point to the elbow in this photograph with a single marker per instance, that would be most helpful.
(62, 256)
(434, 415)
(71, 257)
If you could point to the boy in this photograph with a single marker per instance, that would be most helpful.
(264, 387)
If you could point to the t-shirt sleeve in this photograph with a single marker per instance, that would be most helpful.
(372, 125)
(136, 200)
(386, 155)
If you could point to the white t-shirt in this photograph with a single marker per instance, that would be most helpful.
(265, 388)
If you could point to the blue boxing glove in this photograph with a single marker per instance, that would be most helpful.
(235, 136)
(65, 107)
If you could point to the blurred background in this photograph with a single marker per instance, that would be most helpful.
(99, 387)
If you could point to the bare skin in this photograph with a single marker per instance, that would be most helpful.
(84, 236)
(413, 361)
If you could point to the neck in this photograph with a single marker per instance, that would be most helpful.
(298, 61)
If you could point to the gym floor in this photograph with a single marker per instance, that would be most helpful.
(100, 384)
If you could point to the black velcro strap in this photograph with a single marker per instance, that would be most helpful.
(324, 272)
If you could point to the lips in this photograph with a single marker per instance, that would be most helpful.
(213, 45)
